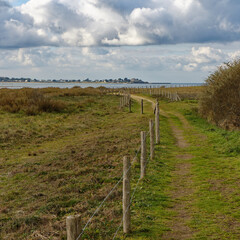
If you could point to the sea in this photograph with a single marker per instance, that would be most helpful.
(19, 85)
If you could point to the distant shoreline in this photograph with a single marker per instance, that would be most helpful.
(146, 83)
(84, 82)
(18, 85)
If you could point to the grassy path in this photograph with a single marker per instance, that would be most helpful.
(182, 188)
(192, 188)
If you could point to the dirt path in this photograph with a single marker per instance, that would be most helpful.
(138, 98)
(197, 185)
(182, 184)
(182, 189)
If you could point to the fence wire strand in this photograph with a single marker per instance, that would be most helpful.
(106, 198)
(134, 191)
(99, 207)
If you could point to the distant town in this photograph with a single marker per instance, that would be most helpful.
(119, 80)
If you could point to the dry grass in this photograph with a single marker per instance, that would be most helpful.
(29, 101)
(75, 91)
(36, 101)
(187, 93)
(55, 165)
(220, 100)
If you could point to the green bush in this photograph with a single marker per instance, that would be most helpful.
(220, 100)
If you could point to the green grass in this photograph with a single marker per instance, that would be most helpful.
(216, 168)
(214, 203)
(57, 164)
(150, 207)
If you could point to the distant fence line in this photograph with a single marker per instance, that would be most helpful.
(175, 93)
(153, 86)
(74, 224)
(126, 95)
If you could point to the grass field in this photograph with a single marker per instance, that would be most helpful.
(55, 164)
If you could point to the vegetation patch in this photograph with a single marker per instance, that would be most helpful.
(36, 101)
(57, 164)
(220, 100)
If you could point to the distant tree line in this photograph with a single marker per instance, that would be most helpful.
(118, 80)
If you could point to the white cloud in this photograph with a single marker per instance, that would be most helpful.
(207, 55)
(112, 22)
(139, 58)
(190, 67)
(209, 69)
(234, 55)
(183, 5)
(150, 63)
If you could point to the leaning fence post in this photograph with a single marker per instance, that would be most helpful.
(157, 133)
(141, 106)
(143, 154)
(73, 227)
(126, 195)
(151, 130)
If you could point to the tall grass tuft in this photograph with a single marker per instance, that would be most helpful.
(35, 101)
(220, 100)
(29, 101)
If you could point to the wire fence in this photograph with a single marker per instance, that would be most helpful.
(143, 165)
(107, 197)
(131, 200)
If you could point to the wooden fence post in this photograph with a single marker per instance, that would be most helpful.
(157, 133)
(130, 104)
(143, 154)
(126, 195)
(176, 99)
(151, 130)
(73, 227)
(141, 106)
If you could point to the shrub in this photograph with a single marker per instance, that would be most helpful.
(220, 100)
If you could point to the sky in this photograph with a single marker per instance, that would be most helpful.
(154, 40)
